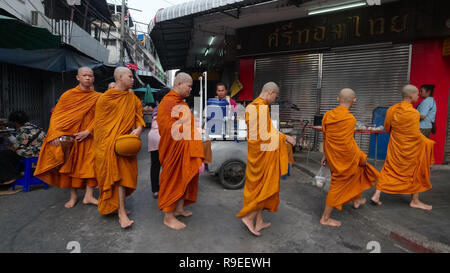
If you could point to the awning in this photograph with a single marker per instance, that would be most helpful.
(171, 28)
(55, 59)
(17, 34)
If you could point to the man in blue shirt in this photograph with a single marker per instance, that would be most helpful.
(427, 109)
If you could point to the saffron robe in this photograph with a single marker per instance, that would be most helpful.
(73, 113)
(348, 178)
(409, 156)
(117, 113)
(267, 160)
(181, 156)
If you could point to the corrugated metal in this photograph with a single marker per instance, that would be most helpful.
(447, 142)
(196, 7)
(377, 76)
(21, 89)
(191, 7)
(297, 76)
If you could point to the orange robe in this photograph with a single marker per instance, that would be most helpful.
(348, 178)
(264, 167)
(74, 113)
(117, 113)
(409, 156)
(180, 159)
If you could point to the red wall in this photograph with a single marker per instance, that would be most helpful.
(246, 77)
(428, 66)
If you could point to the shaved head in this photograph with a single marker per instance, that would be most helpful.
(85, 77)
(84, 68)
(119, 71)
(182, 78)
(270, 92)
(346, 95)
(183, 84)
(270, 86)
(124, 78)
(408, 90)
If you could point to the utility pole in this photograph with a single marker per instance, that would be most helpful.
(122, 34)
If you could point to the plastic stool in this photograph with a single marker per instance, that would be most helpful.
(28, 178)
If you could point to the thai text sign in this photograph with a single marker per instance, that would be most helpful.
(402, 21)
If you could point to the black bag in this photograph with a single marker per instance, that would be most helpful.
(433, 124)
(433, 128)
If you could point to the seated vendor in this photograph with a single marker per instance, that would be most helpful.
(25, 142)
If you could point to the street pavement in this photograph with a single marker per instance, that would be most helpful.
(38, 222)
(418, 230)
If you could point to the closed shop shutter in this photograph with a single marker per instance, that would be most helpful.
(297, 76)
(21, 89)
(377, 75)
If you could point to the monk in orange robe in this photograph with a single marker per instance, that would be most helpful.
(180, 153)
(67, 157)
(118, 112)
(267, 161)
(409, 156)
(350, 172)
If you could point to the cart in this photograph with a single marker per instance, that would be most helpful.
(229, 153)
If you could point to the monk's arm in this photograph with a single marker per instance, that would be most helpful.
(387, 120)
(139, 120)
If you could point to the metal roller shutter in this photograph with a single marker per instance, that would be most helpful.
(376, 74)
(297, 76)
(21, 89)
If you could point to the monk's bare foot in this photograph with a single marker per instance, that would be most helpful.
(173, 223)
(124, 221)
(330, 222)
(184, 213)
(90, 201)
(375, 202)
(249, 224)
(127, 211)
(420, 205)
(359, 202)
(71, 203)
(261, 226)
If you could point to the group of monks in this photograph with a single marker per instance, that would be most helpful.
(79, 151)
(407, 166)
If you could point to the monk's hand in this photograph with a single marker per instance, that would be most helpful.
(81, 135)
(137, 131)
(55, 142)
(290, 140)
(323, 161)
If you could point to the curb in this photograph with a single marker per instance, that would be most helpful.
(412, 240)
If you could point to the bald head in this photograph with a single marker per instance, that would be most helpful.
(183, 84)
(124, 78)
(409, 90)
(120, 71)
(270, 86)
(85, 77)
(270, 92)
(347, 95)
(182, 78)
(83, 69)
(410, 93)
